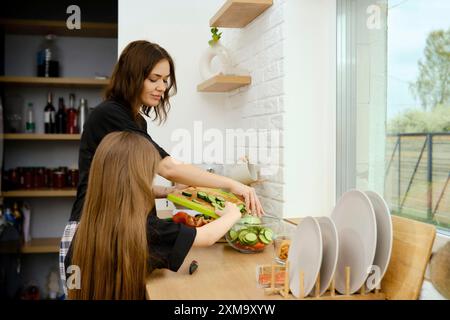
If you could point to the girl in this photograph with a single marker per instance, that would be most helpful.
(119, 239)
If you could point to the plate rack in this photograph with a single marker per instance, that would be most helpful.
(330, 294)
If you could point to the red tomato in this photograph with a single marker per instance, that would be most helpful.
(180, 217)
(190, 221)
(259, 246)
(256, 247)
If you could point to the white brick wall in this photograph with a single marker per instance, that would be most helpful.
(258, 48)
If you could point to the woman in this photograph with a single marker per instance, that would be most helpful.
(118, 241)
(141, 83)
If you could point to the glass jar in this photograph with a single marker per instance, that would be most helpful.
(59, 180)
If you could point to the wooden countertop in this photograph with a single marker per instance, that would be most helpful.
(223, 273)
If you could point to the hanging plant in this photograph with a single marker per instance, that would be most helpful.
(215, 36)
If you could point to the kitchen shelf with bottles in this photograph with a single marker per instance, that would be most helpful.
(78, 82)
(41, 137)
(59, 28)
(40, 193)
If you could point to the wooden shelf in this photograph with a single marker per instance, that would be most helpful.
(239, 13)
(40, 193)
(42, 245)
(41, 136)
(224, 83)
(59, 28)
(61, 82)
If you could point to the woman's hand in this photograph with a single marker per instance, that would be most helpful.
(252, 203)
(179, 186)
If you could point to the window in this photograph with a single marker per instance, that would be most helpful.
(393, 104)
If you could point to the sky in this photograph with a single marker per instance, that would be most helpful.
(409, 23)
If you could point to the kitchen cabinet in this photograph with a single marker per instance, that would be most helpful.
(50, 208)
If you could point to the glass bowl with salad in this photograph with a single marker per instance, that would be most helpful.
(252, 234)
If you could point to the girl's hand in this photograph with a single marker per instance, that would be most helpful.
(230, 209)
(252, 203)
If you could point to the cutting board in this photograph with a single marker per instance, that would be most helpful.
(204, 206)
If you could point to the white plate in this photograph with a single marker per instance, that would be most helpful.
(356, 225)
(384, 238)
(330, 244)
(305, 254)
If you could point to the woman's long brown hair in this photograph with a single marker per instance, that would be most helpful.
(135, 63)
(110, 246)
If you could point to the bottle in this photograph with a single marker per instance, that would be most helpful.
(83, 114)
(61, 117)
(18, 217)
(30, 125)
(26, 222)
(72, 122)
(47, 58)
(49, 115)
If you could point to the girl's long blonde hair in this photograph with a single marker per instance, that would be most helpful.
(110, 246)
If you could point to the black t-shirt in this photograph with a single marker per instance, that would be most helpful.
(109, 116)
(168, 243)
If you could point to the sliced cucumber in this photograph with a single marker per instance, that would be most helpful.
(263, 239)
(216, 206)
(187, 194)
(249, 219)
(268, 234)
(242, 234)
(202, 195)
(250, 239)
(218, 198)
(211, 199)
(233, 235)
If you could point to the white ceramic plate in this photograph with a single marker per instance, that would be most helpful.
(384, 239)
(330, 244)
(356, 225)
(305, 254)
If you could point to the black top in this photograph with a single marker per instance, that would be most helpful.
(107, 117)
(168, 243)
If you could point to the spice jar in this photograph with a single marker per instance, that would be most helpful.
(72, 178)
(21, 176)
(28, 178)
(39, 178)
(13, 178)
(59, 179)
(48, 178)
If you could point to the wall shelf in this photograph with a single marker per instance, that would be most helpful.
(58, 27)
(40, 136)
(42, 245)
(40, 193)
(239, 13)
(60, 82)
(224, 83)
